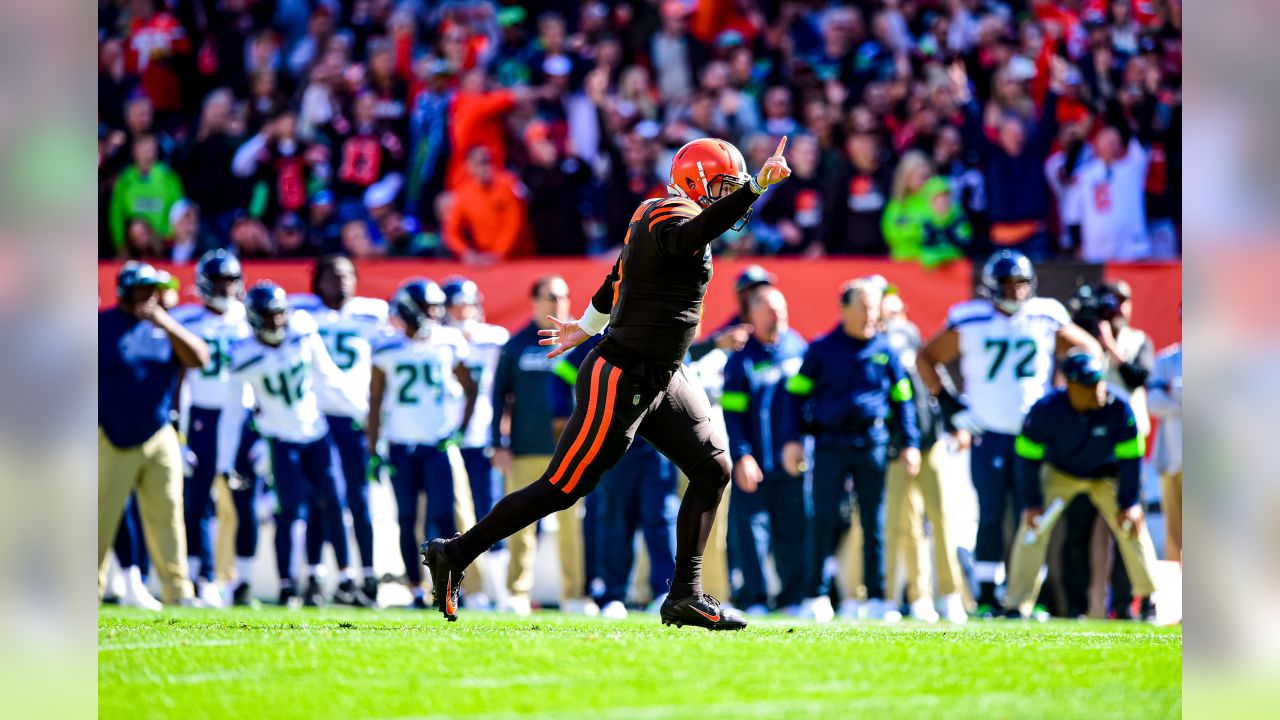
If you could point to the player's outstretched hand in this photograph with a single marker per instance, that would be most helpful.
(775, 169)
(565, 335)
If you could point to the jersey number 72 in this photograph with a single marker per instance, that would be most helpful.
(1025, 346)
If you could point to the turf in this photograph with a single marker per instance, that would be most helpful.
(400, 664)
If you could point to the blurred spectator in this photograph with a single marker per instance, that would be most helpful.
(798, 207)
(363, 150)
(555, 186)
(488, 219)
(356, 242)
(477, 121)
(947, 232)
(674, 53)
(157, 49)
(146, 190)
(323, 230)
(968, 188)
(205, 162)
(912, 207)
(864, 194)
(251, 239)
(1111, 203)
(188, 238)
(281, 167)
(1012, 166)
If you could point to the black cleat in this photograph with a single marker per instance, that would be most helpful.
(701, 611)
(314, 596)
(241, 596)
(288, 594)
(370, 589)
(446, 578)
(348, 593)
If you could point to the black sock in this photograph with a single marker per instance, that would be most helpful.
(688, 576)
(510, 515)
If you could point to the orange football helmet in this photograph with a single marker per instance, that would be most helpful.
(698, 166)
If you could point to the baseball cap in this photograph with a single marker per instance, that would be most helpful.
(1119, 288)
(178, 209)
(753, 276)
(1081, 368)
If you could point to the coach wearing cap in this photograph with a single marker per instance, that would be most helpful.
(1080, 440)
(733, 335)
(141, 352)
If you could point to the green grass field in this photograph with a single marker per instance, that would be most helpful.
(400, 664)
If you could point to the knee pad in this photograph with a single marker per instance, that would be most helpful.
(714, 472)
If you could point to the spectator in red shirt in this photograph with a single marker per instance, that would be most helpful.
(156, 47)
(477, 120)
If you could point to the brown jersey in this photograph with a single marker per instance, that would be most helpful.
(654, 293)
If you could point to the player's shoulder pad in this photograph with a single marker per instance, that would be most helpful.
(368, 309)
(304, 301)
(390, 340)
(487, 334)
(673, 209)
(244, 353)
(301, 323)
(969, 311)
(1047, 307)
(447, 334)
(188, 313)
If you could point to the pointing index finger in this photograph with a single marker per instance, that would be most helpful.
(782, 144)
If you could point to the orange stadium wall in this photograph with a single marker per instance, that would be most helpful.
(811, 286)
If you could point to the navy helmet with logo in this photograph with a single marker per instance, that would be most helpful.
(264, 300)
(459, 290)
(1082, 368)
(138, 274)
(418, 302)
(218, 265)
(1003, 266)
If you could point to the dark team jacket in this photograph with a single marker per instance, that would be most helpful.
(753, 401)
(655, 291)
(1103, 443)
(849, 392)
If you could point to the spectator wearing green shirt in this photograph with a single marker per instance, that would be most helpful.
(147, 189)
(911, 210)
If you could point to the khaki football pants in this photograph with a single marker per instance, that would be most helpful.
(1171, 505)
(908, 500)
(525, 470)
(154, 471)
(1138, 553)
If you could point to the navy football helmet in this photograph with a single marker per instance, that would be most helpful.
(137, 274)
(262, 304)
(419, 302)
(459, 290)
(1003, 266)
(218, 265)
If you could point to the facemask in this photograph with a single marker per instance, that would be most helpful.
(272, 337)
(218, 303)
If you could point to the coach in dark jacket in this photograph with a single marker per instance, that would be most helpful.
(850, 393)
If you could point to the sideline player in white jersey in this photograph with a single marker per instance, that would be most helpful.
(349, 326)
(418, 377)
(485, 341)
(289, 370)
(1006, 341)
(214, 415)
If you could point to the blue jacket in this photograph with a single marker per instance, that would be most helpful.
(1103, 443)
(1016, 188)
(755, 410)
(137, 376)
(848, 392)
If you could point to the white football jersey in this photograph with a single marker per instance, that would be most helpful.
(485, 347)
(1006, 361)
(422, 403)
(211, 387)
(349, 334)
(291, 381)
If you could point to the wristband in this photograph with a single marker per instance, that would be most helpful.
(593, 321)
(755, 186)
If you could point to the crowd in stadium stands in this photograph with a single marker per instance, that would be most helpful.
(422, 395)
(922, 129)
